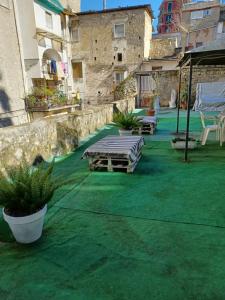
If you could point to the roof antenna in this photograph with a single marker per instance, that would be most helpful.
(104, 4)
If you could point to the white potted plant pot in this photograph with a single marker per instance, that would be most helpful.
(125, 132)
(180, 145)
(26, 229)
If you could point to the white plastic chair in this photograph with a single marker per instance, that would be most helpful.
(222, 129)
(209, 128)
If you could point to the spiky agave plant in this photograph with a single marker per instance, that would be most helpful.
(24, 191)
(126, 121)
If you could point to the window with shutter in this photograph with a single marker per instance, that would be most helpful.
(119, 30)
(48, 19)
(197, 14)
(75, 34)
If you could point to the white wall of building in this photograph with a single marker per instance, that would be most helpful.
(166, 65)
(147, 35)
(40, 19)
(27, 28)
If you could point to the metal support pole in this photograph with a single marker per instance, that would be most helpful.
(188, 110)
(139, 96)
(178, 102)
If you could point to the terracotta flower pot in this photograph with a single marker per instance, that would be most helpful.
(150, 112)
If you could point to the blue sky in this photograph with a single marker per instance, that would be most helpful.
(97, 4)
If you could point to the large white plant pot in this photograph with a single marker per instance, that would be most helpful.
(125, 132)
(26, 229)
(180, 145)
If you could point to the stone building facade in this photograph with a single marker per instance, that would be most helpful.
(199, 23)
(221, 24)
(107, 46)
(170, 16)
(36, 32)
(12, 85)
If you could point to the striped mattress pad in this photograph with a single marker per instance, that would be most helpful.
(148, 119)
(116, 146)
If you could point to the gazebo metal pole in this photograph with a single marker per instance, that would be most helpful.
(139, 96)
(188, 110)
(178, 102)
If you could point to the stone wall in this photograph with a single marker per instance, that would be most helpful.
(162, 47)
(127, 88)
(202, 74)
(55, 135)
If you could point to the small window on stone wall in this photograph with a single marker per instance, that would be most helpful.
(77, 70)
(119, 30)
(207, 12)
(119, 56)
(170, 5)
(198, 14)
(223, 30)
(75, 34)
(119, 77)
(199, 44)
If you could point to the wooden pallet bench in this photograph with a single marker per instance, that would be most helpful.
(115, 153)
(147, 125)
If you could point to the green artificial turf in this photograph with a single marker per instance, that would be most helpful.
(156, 234)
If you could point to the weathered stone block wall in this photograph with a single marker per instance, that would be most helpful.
(55, 135)
(127, 88)
(203, 74)
(29, 140)
(168, 80)
(162, 47)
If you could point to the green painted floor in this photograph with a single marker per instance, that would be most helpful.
(156, 234)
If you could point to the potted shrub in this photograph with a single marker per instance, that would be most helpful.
(180, 143)
(24, 194)
(126, 122)
(183, 98)
(151, 110)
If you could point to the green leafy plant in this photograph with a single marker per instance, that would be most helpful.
(126, 121)
(184, 95)
(151, 103)
(24, 191)
(45, 97)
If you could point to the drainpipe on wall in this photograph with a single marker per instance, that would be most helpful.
(18, 33)
(104, 4)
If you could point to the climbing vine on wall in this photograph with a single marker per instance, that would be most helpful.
(126, 88)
